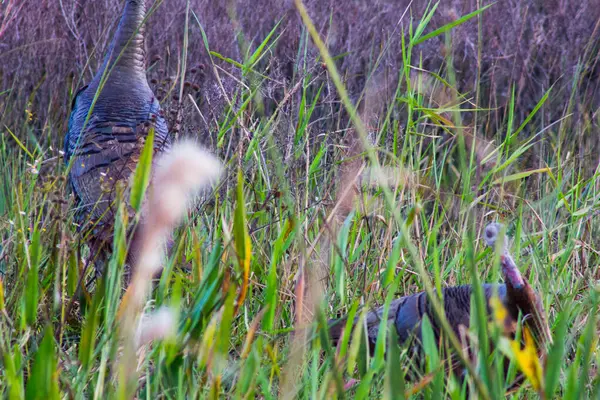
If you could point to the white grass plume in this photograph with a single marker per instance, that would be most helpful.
(157, 325)
(178, 175)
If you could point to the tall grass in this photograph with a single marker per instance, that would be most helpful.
(276, 250)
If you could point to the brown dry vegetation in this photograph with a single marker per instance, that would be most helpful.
(45, 48)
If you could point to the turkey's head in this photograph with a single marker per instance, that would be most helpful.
(511, 273)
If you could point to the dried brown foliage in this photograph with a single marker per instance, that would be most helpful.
(49, 48)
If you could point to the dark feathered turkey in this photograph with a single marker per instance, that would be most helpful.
(406, 313)
(103, 146)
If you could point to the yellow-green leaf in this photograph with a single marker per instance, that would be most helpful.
(43, 381)
(498, 311)
(243, 245)
(141, 177)
(528, 361)
(2, 306)
(520, 175)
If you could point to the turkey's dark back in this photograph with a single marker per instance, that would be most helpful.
(406, 313)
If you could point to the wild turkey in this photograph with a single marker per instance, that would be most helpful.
(406, 313)
(104, 147)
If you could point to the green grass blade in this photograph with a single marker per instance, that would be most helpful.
(141, 176)
(451, 25)
(43, 381)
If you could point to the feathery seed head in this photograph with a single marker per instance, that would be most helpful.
(155, 326)
(180, 173)
(188, 165)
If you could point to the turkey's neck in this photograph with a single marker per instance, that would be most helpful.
(522, 299)
(126, 57)
(511, 272)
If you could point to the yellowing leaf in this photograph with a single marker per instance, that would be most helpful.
(243, 244)
(125, 301)
(438, 118)
(528, 361)
(206, 349)
(498, 310)
(520, 175)
(251, 333)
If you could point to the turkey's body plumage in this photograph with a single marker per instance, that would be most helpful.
(103, 145)
(105, 153)
(406, 313)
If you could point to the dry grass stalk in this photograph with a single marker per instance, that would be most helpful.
(179, 174)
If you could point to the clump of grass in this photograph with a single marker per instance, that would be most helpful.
(277, 249)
